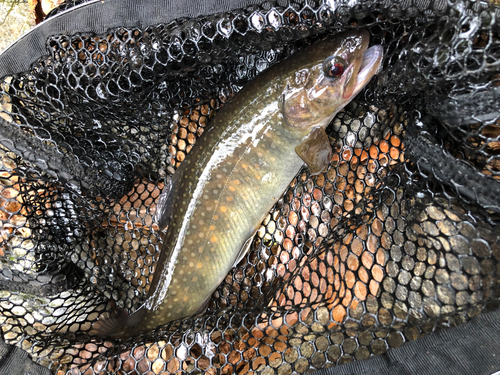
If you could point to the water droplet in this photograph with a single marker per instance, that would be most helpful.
(369, 119)
(261, 65)
(274, 19)
(101, 91)
(225, 27)
(257, 21)
(350, 139)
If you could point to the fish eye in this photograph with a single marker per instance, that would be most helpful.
(334, 66)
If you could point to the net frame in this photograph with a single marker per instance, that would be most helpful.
(54, 174)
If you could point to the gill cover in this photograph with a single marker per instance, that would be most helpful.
(338, 68)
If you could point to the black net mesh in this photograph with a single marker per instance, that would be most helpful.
(397, 239)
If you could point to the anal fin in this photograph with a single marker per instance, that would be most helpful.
(245, 249)
(316, 151)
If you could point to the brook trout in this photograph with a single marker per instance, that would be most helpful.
(239, 168)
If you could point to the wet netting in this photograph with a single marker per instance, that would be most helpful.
(398, 239)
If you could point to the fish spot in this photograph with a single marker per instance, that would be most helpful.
(211, 227)
(236, 182)
(215, 217)
(194, 279)
(230, 198)
(201, 235)
(215, 192)
(219, 176)
(213, 239)
(186, 298)
(199, 265)
(244, 166)
(223, 209)
(232, 188)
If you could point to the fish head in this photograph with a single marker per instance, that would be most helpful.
(326, 76)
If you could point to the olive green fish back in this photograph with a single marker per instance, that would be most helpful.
(397, 239)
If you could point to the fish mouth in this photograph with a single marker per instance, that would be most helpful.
(370, 65)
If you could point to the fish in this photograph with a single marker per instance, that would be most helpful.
(240, 167)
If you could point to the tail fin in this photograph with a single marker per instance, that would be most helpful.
(114, 326)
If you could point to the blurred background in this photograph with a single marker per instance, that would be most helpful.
(18, 16)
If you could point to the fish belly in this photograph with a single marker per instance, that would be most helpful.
(222, 196)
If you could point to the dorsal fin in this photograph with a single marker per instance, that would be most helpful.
(164, 204)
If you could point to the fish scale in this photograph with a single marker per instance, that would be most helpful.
(238, 192)
(241, 166)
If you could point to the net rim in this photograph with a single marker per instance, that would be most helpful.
(87, 18)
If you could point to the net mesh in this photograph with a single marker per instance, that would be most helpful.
(399, 238)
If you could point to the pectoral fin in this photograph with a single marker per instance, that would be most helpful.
(316, 151)
(112, 326)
